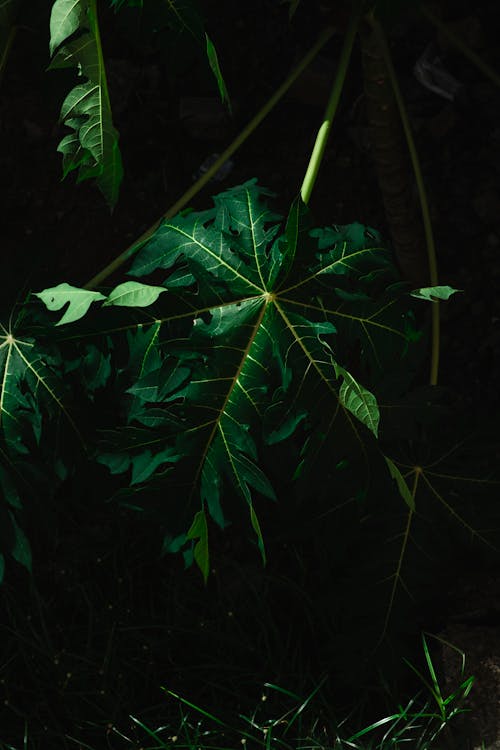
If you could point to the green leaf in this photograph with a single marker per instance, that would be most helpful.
(269, 335)
(27, 382)
(145, 464)
(134, 294)
(359, 400)
(256, 527)
(401, 483)
(2, 568)
(434, 293)
(79, 301)
(67, 17)
(214, 65)
(92, 148)
(21, 550)
(199, 533)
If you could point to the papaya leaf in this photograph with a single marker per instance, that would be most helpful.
(93, 146)
(358, 400)
(79, 301)
(134, 294)
(216, 70)
(401, 483)
(21, 550)
(268, 335)
(36, 451)
(258, 533)
(433, 293)
(199, 533)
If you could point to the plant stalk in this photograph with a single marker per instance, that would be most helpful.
(422, 194)
(331, 107)
(195, 188)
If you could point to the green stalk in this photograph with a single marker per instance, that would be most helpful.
(94, 27)
(331, 108)
(422, 194)
(230, 150)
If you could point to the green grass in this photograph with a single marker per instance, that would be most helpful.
(284, 721)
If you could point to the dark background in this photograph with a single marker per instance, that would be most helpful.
(104, 622)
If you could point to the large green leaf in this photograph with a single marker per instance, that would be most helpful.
(268, 335)
(35, 452)
(92, 147)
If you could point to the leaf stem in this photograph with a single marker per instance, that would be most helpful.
(331, 108)
(195, 188)
(422, 194)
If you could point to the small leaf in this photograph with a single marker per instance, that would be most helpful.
(199, 532)
(401, 483)
(359, 401)
(433, 293)
(145, 464)
(214, 64)
(21, 550)
(256, 527)
(134, 294)
(79, 301)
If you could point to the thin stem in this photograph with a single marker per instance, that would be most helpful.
(459, 44)
(202, 181)
(331, 108)
(422, 194)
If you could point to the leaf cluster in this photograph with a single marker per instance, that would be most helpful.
(92, 147)
(256, 334)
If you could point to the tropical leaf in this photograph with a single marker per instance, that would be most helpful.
(213, 60)
(34, 441)
(401, 484)
(134, 294)
(199, 533)
(79, 301)
(128, 294)
(433, 293)
(267, 336)
(92, 147)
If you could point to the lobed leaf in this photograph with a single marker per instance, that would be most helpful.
(92, 147)
(268, 335)
(79, 301)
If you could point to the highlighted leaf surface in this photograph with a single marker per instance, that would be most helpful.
(92, 147)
